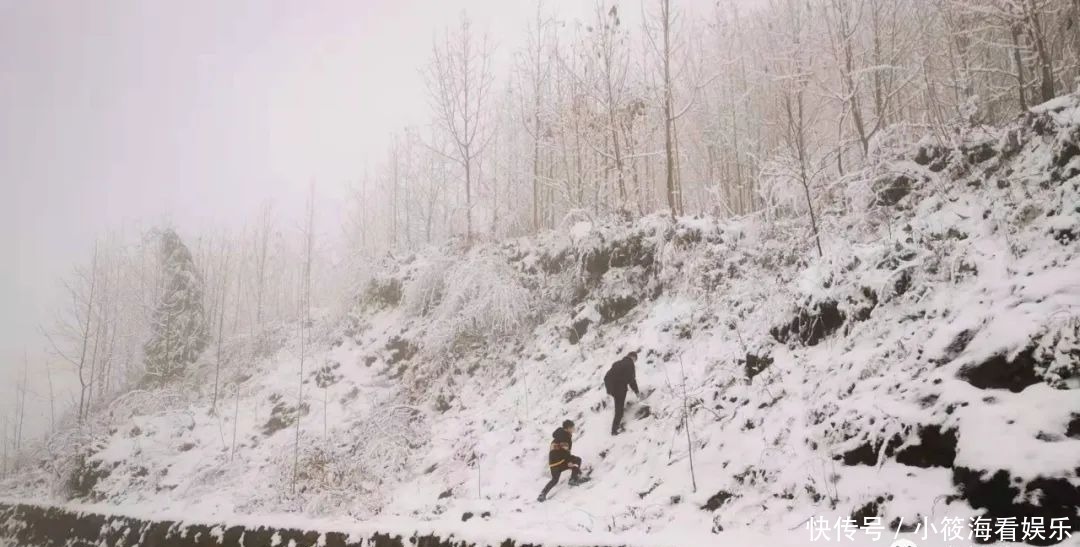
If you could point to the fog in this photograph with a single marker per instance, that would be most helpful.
(122, 115)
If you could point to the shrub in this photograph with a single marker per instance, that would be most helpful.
(483, 299)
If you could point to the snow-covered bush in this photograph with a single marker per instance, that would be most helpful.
(346, 471)
(483, 300)
(422, 294)
(143, 402)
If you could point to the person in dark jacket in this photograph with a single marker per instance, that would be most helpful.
(560, 459)
(620, 377)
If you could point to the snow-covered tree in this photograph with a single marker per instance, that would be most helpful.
(179, 330)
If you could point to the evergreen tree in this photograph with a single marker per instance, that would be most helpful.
(178, 330)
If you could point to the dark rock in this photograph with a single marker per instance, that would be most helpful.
(933, 157)
(754, 365)
(957, 346)
(633, 251)
(282, 416)
(869, 510)
(553, 264)
(1064, 236)
(615, 308)
(978, 153)
(864, 308)
(717, 500)
(890, 190)
(1065, 152)
(1073, 429)
(936, 448)
(84, 476)
(382, 293)
(400, 349)
(1048, 498)
(998, 372)
(867, 452)
(578, 329)
(596, 263)
(811, 326)
(572, 394)
(442, 402)
(902, 284)
(905, 526)
(466, 516)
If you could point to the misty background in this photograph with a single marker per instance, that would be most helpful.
(123, 115)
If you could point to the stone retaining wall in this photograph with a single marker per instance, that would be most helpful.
(37, 526)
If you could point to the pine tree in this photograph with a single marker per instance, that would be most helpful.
(178, 330)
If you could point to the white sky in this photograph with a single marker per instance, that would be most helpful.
(126, 112)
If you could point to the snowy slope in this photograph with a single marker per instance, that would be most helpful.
(927, 367)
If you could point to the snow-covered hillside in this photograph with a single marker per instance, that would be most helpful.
(927, 366)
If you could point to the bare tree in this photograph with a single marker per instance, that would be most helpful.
(667, 20)
(222, 293)
(534, 70)
(262, 244)
(4, 456)
(459, 79)
(607, 45)
(304, 320)
(21, 392)
(72, 336)
(797, 116)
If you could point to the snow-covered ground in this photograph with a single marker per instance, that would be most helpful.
(926, 367)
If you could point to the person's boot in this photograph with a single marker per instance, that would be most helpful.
(542, 497)
(575, 481)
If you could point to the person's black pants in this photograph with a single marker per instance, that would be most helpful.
(620, 402)
(575, 472)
